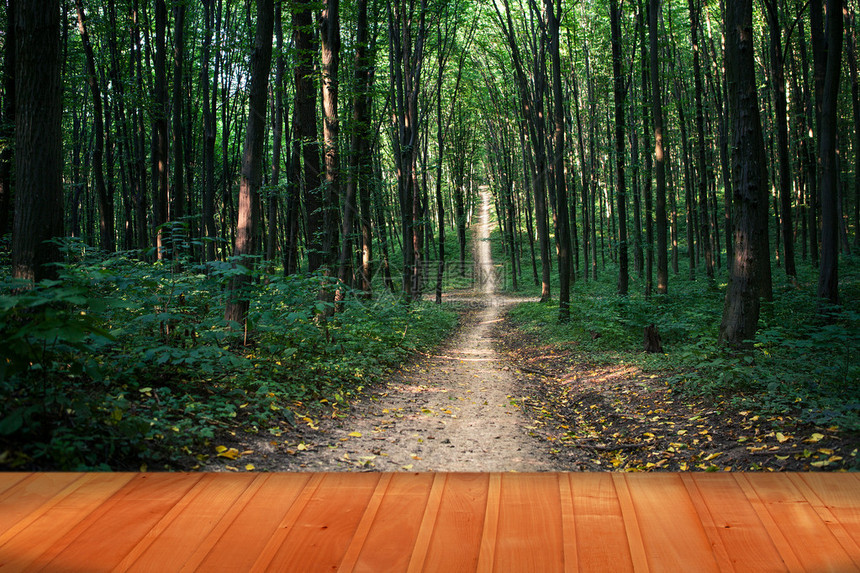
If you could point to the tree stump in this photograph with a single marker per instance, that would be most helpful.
(653, 343)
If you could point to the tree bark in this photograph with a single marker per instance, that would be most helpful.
(620, 178)
(176, 208)
(238, 299)
(106, 224)
(7, 122)
(704, 169)
(828, 277)
(38, 142)
(557, 168)
(305, 128)
(159, 132)
(330, 47)
(660, 158)
(749, 164)
(781, 115)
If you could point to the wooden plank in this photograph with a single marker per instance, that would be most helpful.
(9, 479)
(25, 548)
(180, 537)
(237, 508)
(362, 531)
(287, 523)
(732, 524)
(392, 537)
(672, 534)
(320, 536)
(841, 494)
(568, 524)
(598, 517)
(530, 526)
(456, 539)
(113, 530)
(28, 496)
(798, 521)
(246, 536)
(428, 522)
(490, 534)
(638, 557)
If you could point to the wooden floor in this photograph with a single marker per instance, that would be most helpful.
(429, 522)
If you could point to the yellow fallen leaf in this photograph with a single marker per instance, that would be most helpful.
(355, 434)
(781, 457)
(820, 464)
(230, 454)
(814, 438)
(302, 447)
(781, 438)
(825, 451)
(407, 467)
(416, 457)
(250, 467)
(712, 456)
(232, 469)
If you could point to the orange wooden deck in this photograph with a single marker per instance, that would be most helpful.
(429, 522)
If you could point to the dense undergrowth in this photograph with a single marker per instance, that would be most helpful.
(124, 364)
(799, 366)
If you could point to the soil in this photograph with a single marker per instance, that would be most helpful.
(494, 399)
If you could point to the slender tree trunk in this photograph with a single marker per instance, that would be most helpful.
(330, 47)
(38, 142)
(159, 131)
(557, 167)
(306, 130)
(620, 178)
(828, 278)
(7, 123)
(703, 167)
(176, 208)
(209, 232)
(273, 196)
(659, 152)
(238, 300)
(106, 224)
(749, 164)
(851, 53)
(781, 113)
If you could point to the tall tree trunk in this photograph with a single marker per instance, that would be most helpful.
(209, 232)
(557, 167)
(272, 199)
(38, 142)
(749, 164)
(305, 128)
(703, 167)
(159, 131)
(659, 152)
(330, 45)
(851, 53)
(106, 224)
(828, 277)
(238, 300)
(176, 208)
(7, 122)
(781, 113)
(358, 150)
(620, 178)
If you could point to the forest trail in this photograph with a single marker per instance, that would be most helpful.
(454, 410)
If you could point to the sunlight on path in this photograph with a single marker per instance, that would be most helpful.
(456, 410)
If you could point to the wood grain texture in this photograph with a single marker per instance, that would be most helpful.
(429, 522)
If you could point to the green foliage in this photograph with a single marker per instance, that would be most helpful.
(123, 364)
(799, 365)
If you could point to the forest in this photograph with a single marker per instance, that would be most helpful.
(234, 217)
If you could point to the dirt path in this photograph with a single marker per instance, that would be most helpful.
(455, 410)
